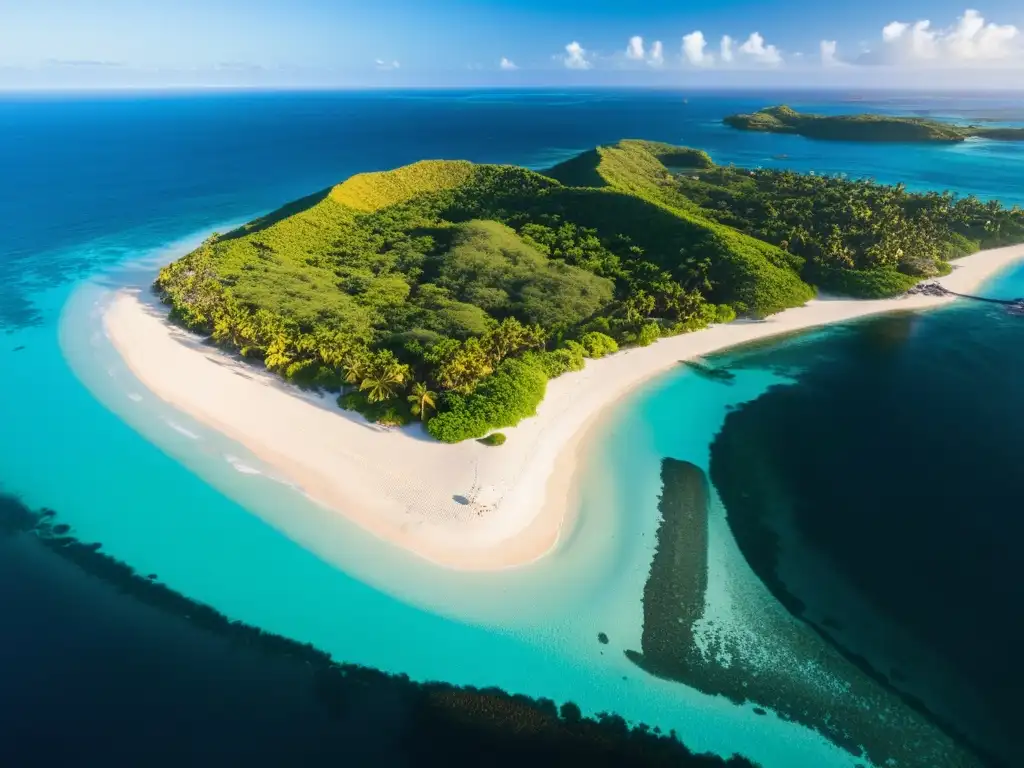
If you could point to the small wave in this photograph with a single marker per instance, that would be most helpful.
(180, 429)
(241, 466)
(135, 397)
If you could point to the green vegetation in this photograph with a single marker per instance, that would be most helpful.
(494, 439)
(865, 127)
(449, 293)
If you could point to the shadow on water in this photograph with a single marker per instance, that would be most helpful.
(148, 676)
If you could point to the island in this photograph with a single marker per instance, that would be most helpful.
(475, 322)
(451, 293)
(866, 127)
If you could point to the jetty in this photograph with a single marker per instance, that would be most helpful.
(1013, 306)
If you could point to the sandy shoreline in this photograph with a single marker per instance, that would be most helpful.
(412, 491)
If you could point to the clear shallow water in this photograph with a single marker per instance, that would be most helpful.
(96, 184)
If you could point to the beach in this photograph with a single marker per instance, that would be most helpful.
(466, 506)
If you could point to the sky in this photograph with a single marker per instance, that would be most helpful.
(451, 43)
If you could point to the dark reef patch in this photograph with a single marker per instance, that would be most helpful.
(674, 592)
(779, 663)
(369, 717)
(876, 499)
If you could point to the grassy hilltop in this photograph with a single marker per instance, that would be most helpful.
(865, 127)
(451, 292)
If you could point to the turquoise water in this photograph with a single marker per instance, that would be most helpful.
(103, 190)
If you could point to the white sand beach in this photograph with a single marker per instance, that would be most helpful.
(465, 506)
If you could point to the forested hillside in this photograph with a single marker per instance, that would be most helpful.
(866, 127)
(451, 292)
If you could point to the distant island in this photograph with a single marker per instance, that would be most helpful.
(865, 127)
(450, 293)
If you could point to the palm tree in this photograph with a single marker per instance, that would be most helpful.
(422, 400)
(280, 352)
(384, 377)
(354, 366)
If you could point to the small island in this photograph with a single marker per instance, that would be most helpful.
(450, 293)
(865, 127)
(475, 322)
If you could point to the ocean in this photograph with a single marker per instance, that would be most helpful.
(896, 539)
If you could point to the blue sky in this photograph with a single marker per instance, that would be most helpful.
(345, 43)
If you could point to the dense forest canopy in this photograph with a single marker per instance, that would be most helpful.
(451, 292)
(865, 127)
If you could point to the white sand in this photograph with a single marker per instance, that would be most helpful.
(400, 484)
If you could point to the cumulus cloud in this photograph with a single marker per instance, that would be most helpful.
(726, 48)
(756, 49)
(384, 66)
(971, 40)
(507, 64)
(657, 56)
(828, 49)
(635, 48)
(576, 56)
(637, 51)
(695, 49)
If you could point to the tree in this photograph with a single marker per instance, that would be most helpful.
(509, 339)
(355, 366)
(422, 400)
(464, 365)
(384, 376)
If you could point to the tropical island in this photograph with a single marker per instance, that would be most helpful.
(444, 301)
(451, 293)
(865, 127)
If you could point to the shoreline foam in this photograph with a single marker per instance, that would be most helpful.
(409, 490)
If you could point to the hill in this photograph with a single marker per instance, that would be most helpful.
(452, 292)
(865, 127)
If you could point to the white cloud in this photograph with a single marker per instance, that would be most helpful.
(657, 57)
(576, 56)
(694, 49)
(971, 40)
(755, 49)
(828, 53)
(507, 64)
(726, 48)
(635, 49)
(386, 65)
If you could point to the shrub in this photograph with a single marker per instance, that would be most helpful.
(598, 344)
(495, 438)
(649, 334)
(724, 313)
(390, 413)
(393, 416)
(864, 283)
(559, 361)
(509, 395)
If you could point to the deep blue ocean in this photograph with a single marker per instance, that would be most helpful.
(902, 528)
